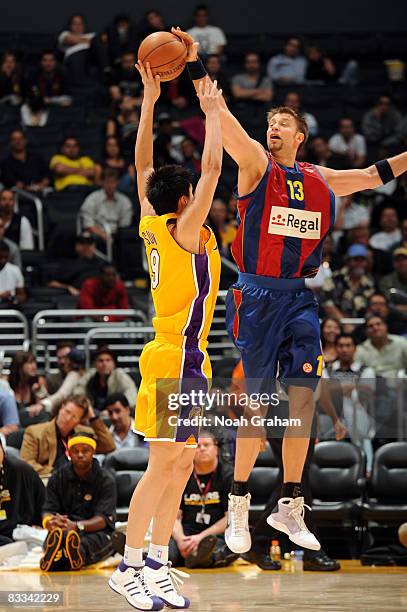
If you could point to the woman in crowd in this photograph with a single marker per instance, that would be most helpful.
(330, 330)
(124, 126)
(29, 388)
(11, 80)
(113, 157)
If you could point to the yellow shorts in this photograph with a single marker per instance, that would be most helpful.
(171, 366)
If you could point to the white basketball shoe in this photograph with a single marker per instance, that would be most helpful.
(237, 534)
(290, 520)
(131, 585)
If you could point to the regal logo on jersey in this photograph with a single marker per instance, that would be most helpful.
(295, 223)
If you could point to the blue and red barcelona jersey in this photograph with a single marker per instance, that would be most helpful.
(283, 222)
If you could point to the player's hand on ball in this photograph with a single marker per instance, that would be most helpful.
(209, 96)
(152, 87)
(192, 46)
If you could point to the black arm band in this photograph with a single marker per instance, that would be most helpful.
(385, 171)
(196, 70)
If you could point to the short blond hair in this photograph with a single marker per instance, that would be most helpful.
(286, 110)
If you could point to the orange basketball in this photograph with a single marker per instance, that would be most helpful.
(403, 534)
(166, 54)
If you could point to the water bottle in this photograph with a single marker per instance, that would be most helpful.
(299, 558)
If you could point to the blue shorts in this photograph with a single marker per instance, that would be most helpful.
(274, 323)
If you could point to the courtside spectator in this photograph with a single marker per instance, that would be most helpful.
(293, 100)
(74, 367)
(191, 158)
(14, 251)
(122, 422)
(106, 210)
(11, 80)
(214, 69)
(72, 274)
(320, 68)
(54, 381)
(380, 125)
(398, 278)
(122, 37)
(18, 227)
(70, 168)
(198, 535)
(211, 39)
(12, 291)
(9, 420)
(353, 393)
(321, 154)
(81, 49)
(390, 233)
(79, 510)
(330, 330)
(347, 142)
(223, 228)
(106, 292)
(113, 159)
(45, 446)
(22, 497)
(33, 112)
(152, 22)
(21, 168)
(125, 80)
(385, 353)
(252, 85)
(104, 379)
(28, 388)
(346, 293)
(289, 66)
(49, 81)
(124, 125)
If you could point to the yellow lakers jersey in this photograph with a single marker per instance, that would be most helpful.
(184, 285)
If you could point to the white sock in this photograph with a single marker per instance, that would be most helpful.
(158, 553)
(133, 556)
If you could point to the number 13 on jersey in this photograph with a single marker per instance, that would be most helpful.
(296, 190)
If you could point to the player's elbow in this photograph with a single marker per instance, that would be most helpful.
(213, 168)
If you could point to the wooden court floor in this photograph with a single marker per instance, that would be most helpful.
(240, 588)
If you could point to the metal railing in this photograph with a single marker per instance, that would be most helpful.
(35, 200)
(145, 334)
(108, 256)
(14, 335)
(50, 327)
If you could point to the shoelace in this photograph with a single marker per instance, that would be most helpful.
(238, 513)
(297, 512)
(143, 583)
(175, 577)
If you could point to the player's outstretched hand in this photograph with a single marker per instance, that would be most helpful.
(209, 96)
(152, 88)
(192, 46)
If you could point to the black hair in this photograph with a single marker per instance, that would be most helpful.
(201, 7)
(4, 248)
(380, 294)
(346, 336)
(375, 316)
(117, 397)
(105, 266)
(121, 17)
(72, 17)
(105, 350)
(166, 186)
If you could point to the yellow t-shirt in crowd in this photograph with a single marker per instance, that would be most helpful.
(71, 179)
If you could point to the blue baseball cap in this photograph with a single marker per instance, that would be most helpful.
(357, 250)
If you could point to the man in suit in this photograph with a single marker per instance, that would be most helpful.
(45, 446)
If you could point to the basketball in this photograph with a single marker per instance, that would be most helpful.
(166, 54)
(403, 534)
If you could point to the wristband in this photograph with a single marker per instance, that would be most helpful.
(196, 70)
(46, 519)
(385, 172)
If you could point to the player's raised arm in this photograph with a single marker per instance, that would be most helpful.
(246, 152)
(193, 216)
(144, 141)
(346, 182)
